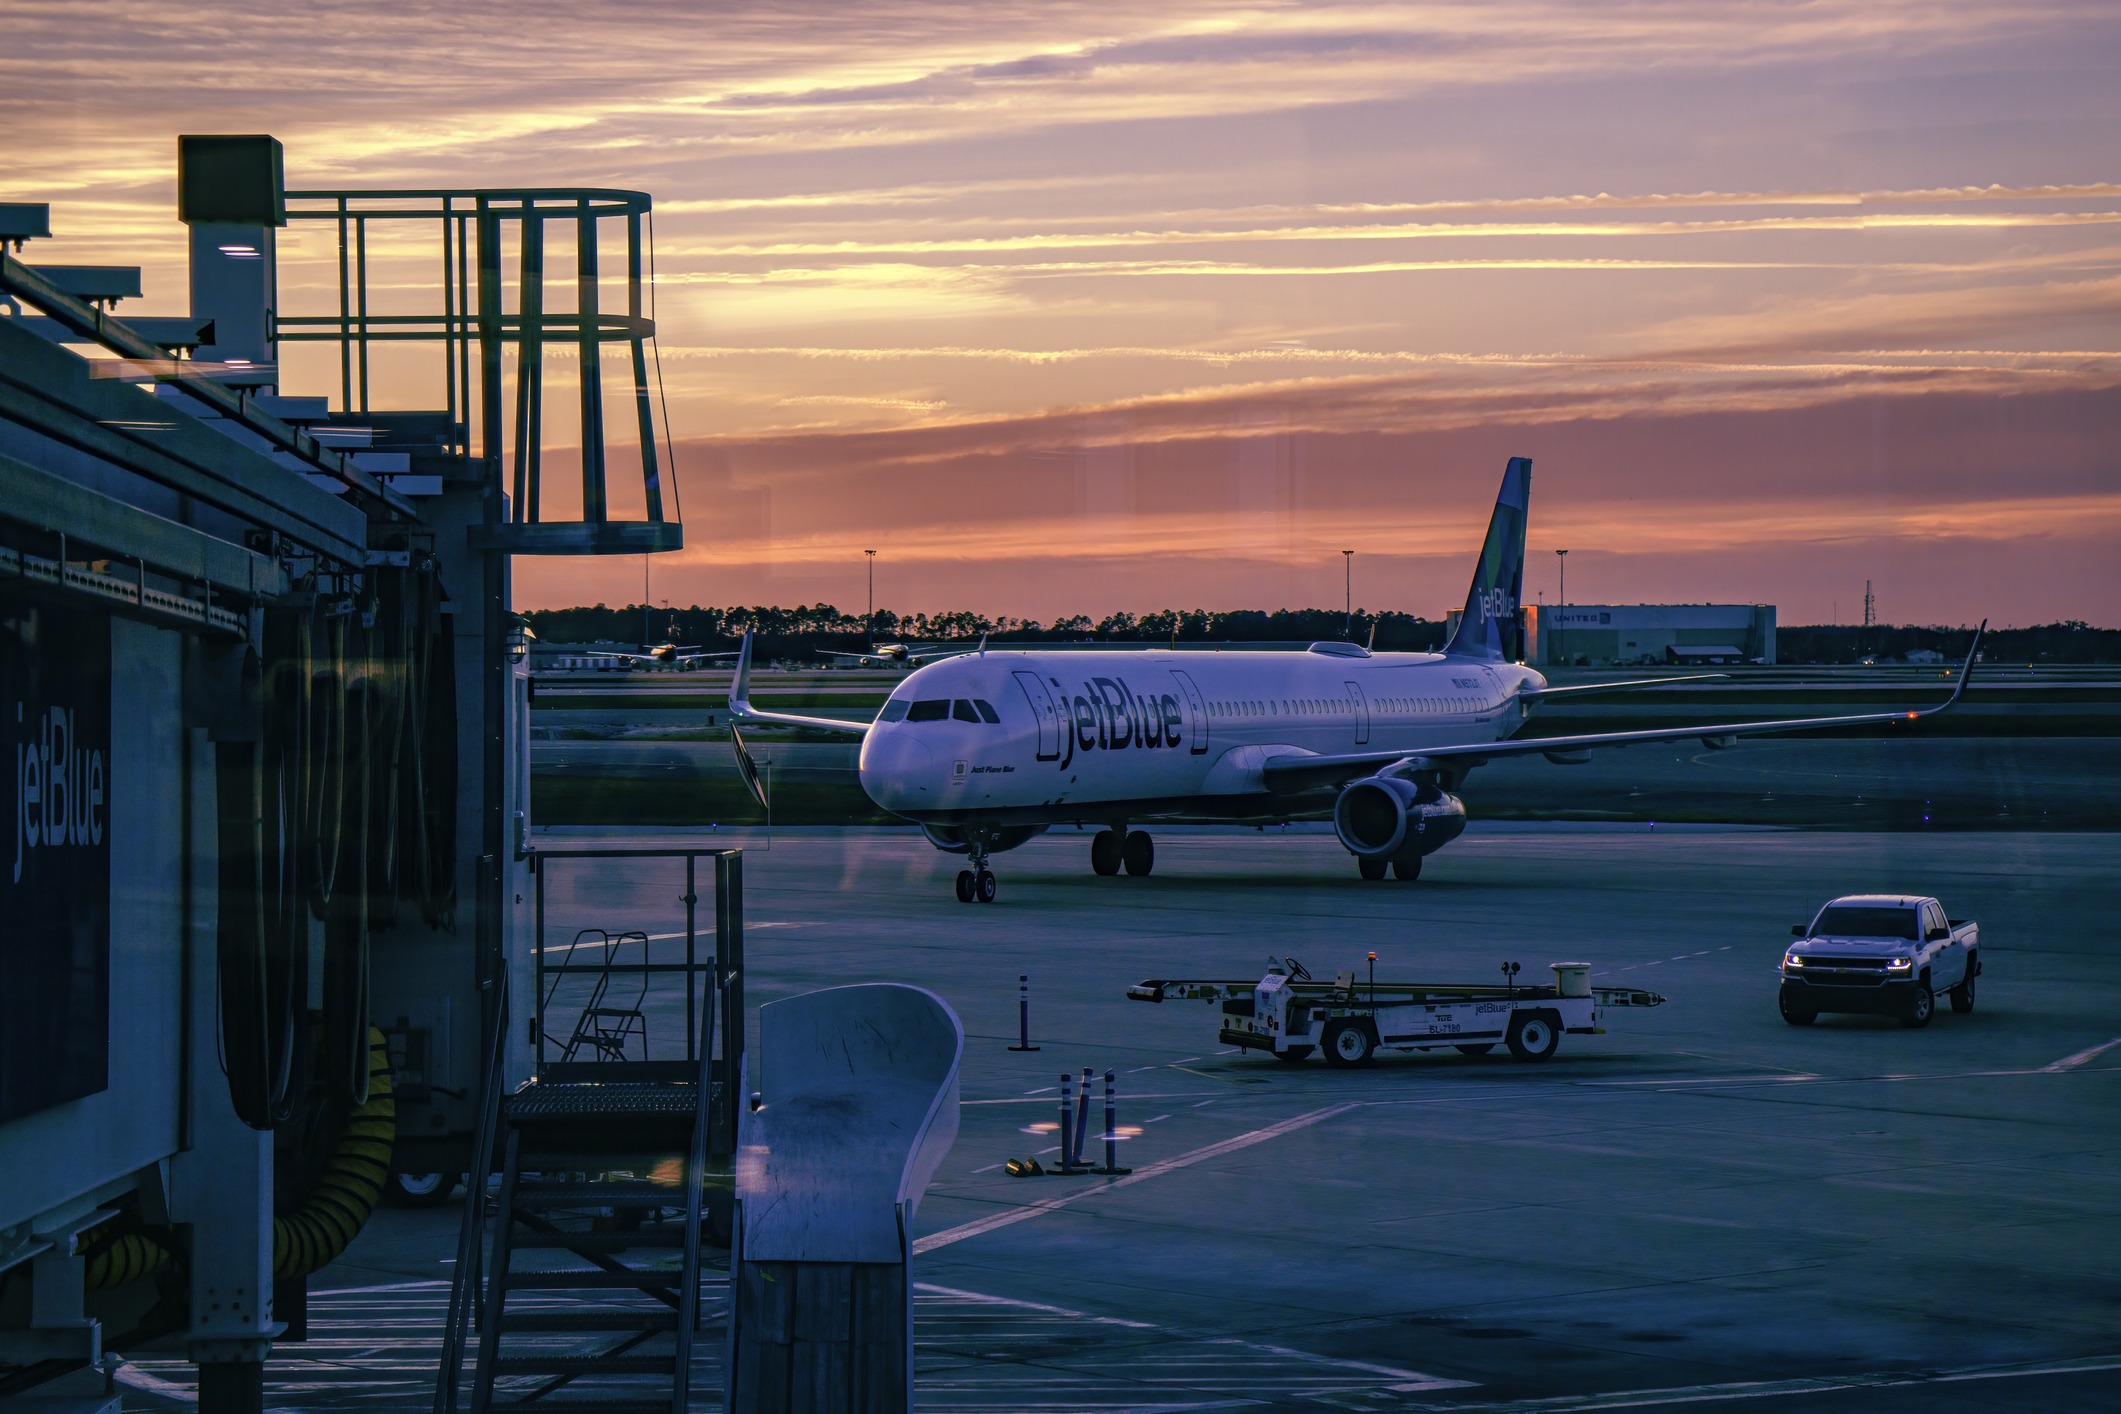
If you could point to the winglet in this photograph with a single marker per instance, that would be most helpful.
(740, 680)
(983, 645)
(1966, 669)
(1966, 673)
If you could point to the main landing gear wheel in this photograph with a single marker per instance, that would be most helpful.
(1371, 869)
(1348, 1043)
(1105, 853)
(1138, 853)
(1407, 867)
(1534, 1036)
(983, 887)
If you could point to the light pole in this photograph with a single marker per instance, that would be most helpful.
(869, 624)
(1347, 582)
(1563, 557)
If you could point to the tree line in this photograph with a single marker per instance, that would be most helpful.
(783, 632)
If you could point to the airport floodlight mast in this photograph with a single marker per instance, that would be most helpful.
(1347, 560)
(869, 624)
(1562, 613)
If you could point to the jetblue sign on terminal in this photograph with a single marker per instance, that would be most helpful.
(55, 736)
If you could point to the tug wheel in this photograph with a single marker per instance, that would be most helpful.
(1534, 1036)
(1349, 1043)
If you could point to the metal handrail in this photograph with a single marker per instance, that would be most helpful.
(464, 1282)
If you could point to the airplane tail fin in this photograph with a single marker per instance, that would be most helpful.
(1491, 627)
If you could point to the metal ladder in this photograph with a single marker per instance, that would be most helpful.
(617, 1321)
(590, 1294)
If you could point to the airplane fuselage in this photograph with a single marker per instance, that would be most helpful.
(1161, 734)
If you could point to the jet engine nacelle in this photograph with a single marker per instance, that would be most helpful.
(1387, 817)
(955, 839)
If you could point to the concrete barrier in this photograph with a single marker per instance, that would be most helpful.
(859, 1105)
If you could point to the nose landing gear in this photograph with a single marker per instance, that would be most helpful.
(976, 885)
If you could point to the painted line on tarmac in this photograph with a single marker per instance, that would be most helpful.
(1011, 1216)
(2088, 1053)
(1781, 1389)
(1147, 1095)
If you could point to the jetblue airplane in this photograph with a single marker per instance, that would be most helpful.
(988, 749)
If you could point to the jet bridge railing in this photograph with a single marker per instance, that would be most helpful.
(619, 994)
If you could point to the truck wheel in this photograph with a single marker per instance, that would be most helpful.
(419, 1190)
(1479, 1049)
(1920, 1006)
(1534, 1035)
(1963, 995)
(1348, 1043)
(1795, 1012)
(1371, 869)
(1293, 1054)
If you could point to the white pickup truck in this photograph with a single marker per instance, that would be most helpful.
(1887, 954)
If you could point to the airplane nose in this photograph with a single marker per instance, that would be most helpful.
(895, 769)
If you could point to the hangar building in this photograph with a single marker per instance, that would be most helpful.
(1612, 635)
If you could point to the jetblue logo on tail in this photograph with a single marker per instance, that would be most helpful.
(1490, 628)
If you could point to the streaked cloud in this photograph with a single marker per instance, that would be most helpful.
(1244, 252)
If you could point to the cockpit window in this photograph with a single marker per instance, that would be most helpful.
(986, 711)
(930, 709)
(894, 710)
(962, 711)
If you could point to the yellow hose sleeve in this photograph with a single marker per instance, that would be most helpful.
(329, 1217)
(346, 1193)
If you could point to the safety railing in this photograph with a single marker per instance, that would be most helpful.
(608, 1004)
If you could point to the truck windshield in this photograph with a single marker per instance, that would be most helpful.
(1851, 922)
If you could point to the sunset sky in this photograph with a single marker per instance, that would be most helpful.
(1073, 308)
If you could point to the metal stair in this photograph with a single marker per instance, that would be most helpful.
(587, 1294)
(614, 1326)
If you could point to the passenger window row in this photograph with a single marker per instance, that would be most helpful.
(938, 709)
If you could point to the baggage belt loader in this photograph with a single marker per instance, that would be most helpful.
(1289, 1015)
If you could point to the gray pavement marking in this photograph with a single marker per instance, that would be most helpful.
(1778, 1389)
(2072, 1062)
(1011, 1216)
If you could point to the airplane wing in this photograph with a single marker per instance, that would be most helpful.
(741, 710)
(1291, 774)
(1541, 694)
(684, 658)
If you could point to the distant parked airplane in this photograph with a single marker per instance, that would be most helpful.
(987, 749)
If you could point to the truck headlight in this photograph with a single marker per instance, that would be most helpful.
(1900, 964)
(1792, 960)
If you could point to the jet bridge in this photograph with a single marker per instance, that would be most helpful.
(264, 708)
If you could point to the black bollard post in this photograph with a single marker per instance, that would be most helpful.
(1067, 1133)
(1082, 1118)
(1023, 1015)
(1111, 1129)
